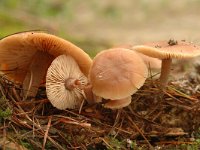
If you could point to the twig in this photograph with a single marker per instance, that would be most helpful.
(15, 94)
(37, 126)
(107, 143)
(179, 93)
(136, 127)
(82, 124)
(32, 102)
(46, 133)
(120, 127)
(175, 142)
(4, 135)
(107, 125)
(116, 119)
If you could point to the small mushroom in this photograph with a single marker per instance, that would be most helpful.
(120, 103)
(117, 73)
(166, 51)
(25, 58)
(64, 83)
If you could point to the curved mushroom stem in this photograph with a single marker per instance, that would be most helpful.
(36, 73)
(87, 91)
(165, 71)
(90, 96)
(72, 83)
(116, 104)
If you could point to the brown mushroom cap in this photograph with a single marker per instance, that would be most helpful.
(151, 62)
(17, 51)
(117, 73)
(165, 50)
(61, 87)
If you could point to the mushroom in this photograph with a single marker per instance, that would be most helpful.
(89, 95)
(25, 57)
(64, 83)
(120, 103)
(117, 74)
(153, 64)
(166, 51)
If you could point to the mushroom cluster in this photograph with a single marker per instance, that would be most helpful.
(71, 76)
(25, 58)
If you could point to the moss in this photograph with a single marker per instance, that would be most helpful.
(5, 114)
(26, 144)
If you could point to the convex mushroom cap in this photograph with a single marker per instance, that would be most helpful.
(117, 73)
(167, 50)
(152, 63)
(64, 83)
(25, 57)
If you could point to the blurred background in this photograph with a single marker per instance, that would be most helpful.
(96, 25)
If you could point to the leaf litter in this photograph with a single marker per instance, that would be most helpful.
(155, 118)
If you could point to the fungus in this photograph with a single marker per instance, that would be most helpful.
(166, 51)
(120, 103)
(25, 57)
(117, 73)
(89, 95)
(64, 83)
(153, 64)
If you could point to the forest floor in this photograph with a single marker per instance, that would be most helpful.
(155, 119)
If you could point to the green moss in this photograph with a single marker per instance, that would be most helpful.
(5, 114)
(26, 144)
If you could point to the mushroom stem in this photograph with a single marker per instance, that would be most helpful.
(72, 83)
(165, 71)
(36, 72)
(90, 96)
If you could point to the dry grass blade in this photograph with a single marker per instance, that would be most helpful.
(4, 136)
(136, 127)
(110, 147)
(32, 102)
(175, 142)
(46, 133)
(181, 94)
(82, 124)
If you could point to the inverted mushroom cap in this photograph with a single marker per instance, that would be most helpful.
(17, 51)
(169, 49)
(62, 69)
(117, 73)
